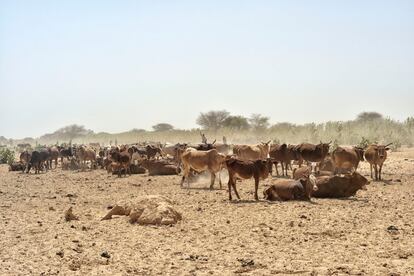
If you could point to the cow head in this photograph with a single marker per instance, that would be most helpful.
(360, 153)
(381, 150)
(309, 184)
(324, 147)
(359, 180)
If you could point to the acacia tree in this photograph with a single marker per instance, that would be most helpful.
(212, 120)
(236, 122)
(369, 116)
(163, 127)
(259, 122)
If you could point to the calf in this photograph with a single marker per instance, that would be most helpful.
(339, 186)
(376, 155)
(287, 189)
(237, 168)
(25, 157)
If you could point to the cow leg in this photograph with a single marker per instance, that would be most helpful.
(380, 172)
(219, 175)
(233, 184)
(229, 184)
(185, 174)
(213, 179)
(256, 187)
(277, 171)
(371, 171)
(376, 171)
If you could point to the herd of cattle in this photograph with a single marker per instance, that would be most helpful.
(318, 171)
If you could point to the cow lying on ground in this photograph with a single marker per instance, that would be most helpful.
(237, 168)
(200, 161)
(16, 166)
(160, 167)
(339, 186)
(376, 155)
(291, 189)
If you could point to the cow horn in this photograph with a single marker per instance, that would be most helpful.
(214, 141)
(388, 145)
(330, 142)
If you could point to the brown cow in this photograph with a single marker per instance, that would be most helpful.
(347, 158)
(376, 155)
(200, 161)
(291, 189)
(258, 169)
(339, 186)
(84, 154)
(252, 152)
(280, 154)
(160, 167)
(314, 153)
(25, 157)
(121, 160)
(54, 156)
(302, 172)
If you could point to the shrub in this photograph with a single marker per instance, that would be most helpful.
(6, 156)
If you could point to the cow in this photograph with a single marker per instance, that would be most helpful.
(38, 160)
(53, 156)
(122, 159)
(258, 169)
(279, 154)
(205, 146)
(252, 152)
(200, 161)
(347, 158)
(339, 186)
(314, 153)
(152, 151)
(376, 155)
(65, 153)
(301, 172)
(160, 167)
(25, 157)
(292, 189)
(84, 154)
(17, 166)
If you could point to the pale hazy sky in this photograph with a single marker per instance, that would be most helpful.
(117, 65)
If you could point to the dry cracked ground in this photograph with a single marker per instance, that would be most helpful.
(370, 234)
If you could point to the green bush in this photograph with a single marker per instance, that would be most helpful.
(6, 156)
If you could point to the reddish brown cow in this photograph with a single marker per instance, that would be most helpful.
(258, 170)
(376, 155)
(290, 189)
(280, 154)
(347, 158)
(339, 186)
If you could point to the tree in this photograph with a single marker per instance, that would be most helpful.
(369, 116)
(259, 122)
(67, 133)
(213, 119)
(163, 127)
(236, 122)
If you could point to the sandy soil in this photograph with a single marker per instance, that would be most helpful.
(215, 237)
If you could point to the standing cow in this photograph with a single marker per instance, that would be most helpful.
(347, 158)
(376, 155)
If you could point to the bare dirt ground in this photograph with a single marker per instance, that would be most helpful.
(371, 234)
